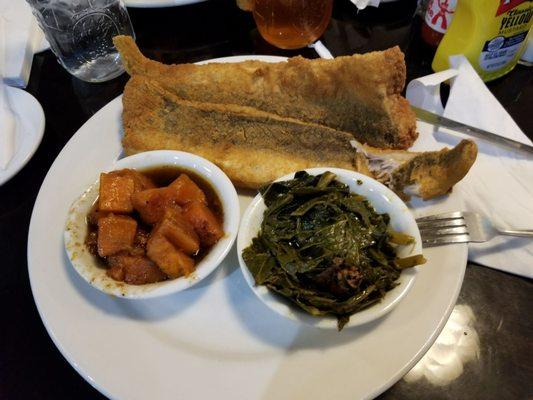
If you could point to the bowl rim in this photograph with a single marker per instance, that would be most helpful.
(224, 189)
(282, 306)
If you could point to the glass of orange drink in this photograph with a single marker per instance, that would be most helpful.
(292, 24)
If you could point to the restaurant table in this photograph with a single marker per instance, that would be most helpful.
(500, 304)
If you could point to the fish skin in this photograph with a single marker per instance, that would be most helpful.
(253, 148)
(359, 94)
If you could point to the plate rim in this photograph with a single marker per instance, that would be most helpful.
(440, 326)
(66, 355)
(39, 133)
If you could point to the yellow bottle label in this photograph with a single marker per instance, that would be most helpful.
(507, 5)
(500, 51)
(491, 34)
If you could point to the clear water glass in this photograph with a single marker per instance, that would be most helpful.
(80, 34)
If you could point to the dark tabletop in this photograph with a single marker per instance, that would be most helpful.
(494, 307)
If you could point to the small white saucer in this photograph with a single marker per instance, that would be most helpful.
(30, 129)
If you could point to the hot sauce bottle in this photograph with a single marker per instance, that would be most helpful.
(437, 19)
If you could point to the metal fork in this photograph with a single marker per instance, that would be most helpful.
(461, 227)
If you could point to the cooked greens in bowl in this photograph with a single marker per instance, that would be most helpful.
(325, 248)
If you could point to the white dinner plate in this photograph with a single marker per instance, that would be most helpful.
(217, 340)
(29, 130)
(159, 3)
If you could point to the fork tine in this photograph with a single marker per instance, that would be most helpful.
(441, 223)
(446, 228)
(433, 233)
(450, 239)
(449, 215)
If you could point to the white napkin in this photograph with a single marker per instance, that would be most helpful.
(24, 38)
(321, 50)
(362, 4)
(499, 185)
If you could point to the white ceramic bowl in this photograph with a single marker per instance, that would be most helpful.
(86, 264)
(384, 201)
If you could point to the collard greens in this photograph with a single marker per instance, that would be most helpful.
(324, 248)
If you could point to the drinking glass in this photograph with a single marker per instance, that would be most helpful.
(292, 24)
(80, 34)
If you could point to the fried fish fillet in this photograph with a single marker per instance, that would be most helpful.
(254, 148)
(358, 94)
(423, 174)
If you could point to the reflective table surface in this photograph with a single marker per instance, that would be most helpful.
(484, 352)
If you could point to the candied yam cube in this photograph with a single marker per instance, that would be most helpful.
(94, 215)
(115, 233)
(178, 231)
(115, 193)
(151, 203)
(204, 222)
(141, 181)
(141, 239)
(134, 269)
(116, 272)
(170, 260)
(142, 271)
(187, 190)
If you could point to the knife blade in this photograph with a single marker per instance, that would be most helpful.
(501, 141)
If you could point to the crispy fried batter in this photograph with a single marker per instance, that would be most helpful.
(259, 121)
(252, 147)
(359, 94)
(427, 174)
(433, 174)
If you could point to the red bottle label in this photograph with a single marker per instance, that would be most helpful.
(439, 14)
(506, 5)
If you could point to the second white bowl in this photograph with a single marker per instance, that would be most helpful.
(384, 201)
